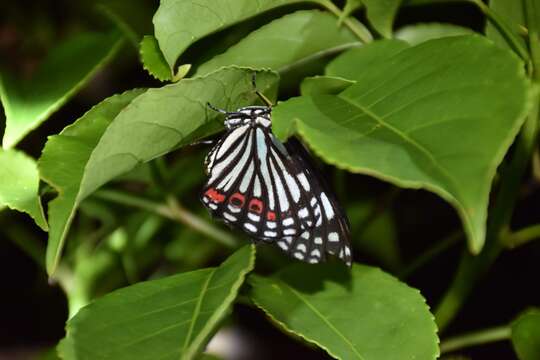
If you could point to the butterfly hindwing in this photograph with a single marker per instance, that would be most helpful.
(330, 234)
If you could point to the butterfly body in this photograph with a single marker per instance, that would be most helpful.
(270, 191)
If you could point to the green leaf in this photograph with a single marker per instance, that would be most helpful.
(419, 33)
(153, 60)
(362, 314)
(526, 335)
(428, 116)
(376, 237)
(180, 23)
(352, 63)
(62, 165)
(155, 123)
(169, 318)
(19, 185)
(381, 14)
(511, 12)
(324, 85)
(27, 103)
(286, 42)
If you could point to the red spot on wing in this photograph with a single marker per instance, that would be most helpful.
(256, 206)
(271, 216)
(214, 195)
(237, 200)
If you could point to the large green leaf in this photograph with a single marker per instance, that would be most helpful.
(362, 314)
(526, 335)
(180, 23)
(169, 318)
(19, 185)
(62, 165)
(155, 123)
(428, 116)
(286, 42)
(27, 103)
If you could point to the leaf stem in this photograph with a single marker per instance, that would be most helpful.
(173, 211)
(356, 27)
(480, 337)
(504, 29)
(521, 237)
(180, 214)
(431, 253)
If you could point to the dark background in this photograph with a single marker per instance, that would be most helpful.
(33, 313)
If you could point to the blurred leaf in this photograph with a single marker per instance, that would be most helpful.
(63, 162)
(286, 42)
(429, 116)
(381, 13)
(376, 237)
(419, 33)
(363, 313)
(511, 12)
(153, 60)
(153, 124)
(19, 185)
(526, 335)
(27, 103)
(168, 318)
(324, 85)
(180, 23)
(134, 18)
(190, 249)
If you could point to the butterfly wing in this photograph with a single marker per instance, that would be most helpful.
(251, 185)
(273, 193)
(330, 234)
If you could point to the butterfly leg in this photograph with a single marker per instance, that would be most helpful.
(261, 96)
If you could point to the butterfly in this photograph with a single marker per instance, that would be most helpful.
(271, 190)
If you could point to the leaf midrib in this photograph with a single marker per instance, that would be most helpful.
(197, 310)
(442, 171)
(326, 321)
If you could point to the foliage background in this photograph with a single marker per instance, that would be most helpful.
(392, 227)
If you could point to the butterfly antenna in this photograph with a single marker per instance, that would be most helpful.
(221, 111)
(261, 96)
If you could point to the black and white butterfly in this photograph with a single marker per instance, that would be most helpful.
(271, 191)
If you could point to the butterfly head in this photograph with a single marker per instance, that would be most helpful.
(249, 115)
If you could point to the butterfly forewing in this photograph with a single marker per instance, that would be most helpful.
(273, 193)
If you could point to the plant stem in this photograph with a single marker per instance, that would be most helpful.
(172, 210)
(133, 201)
(504, 29)
(356, 27)
(431, 253)
(476, 338)
(180, 214)
(521, 237)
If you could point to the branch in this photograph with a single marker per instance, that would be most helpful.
(172, 210)
(476, 338)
